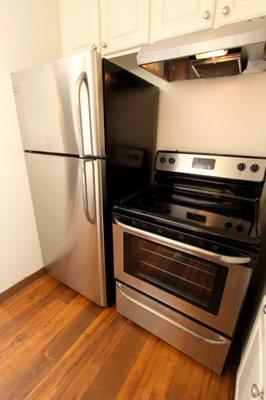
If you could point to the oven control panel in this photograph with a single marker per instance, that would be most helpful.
(230, 167)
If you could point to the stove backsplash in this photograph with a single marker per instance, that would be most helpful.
(221, 115)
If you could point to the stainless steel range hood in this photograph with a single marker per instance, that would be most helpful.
(225, 51)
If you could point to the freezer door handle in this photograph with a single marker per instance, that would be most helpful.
(84, 117)
(88, 197)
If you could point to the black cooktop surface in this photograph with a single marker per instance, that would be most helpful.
(228, 217)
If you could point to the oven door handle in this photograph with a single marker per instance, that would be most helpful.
(219, 341)
(185, 247)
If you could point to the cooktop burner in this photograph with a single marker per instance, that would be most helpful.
(152, 204)
(226, 217)
(207, 194)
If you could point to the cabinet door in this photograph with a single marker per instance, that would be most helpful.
(250, 382)
(173, 18)
(228, 11)
(124, 24)
(79, 25)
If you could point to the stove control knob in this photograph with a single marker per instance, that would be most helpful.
(254, 167)
(172, 160)
(163, 160)
(241, 166)
(239, 228)
(228, 225)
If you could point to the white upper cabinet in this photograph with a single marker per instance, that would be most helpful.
(229, 11)
(124, 24)
(171, 18)
(80, 25)
(119, 27)
(251, 375)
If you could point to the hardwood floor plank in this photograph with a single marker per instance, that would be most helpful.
(67, 294)
(57, 345)
(21, 285)
(221, 386)
(46, 332)
(116, 365)
(26, 327)
(65, 339)
(14, 341)
(186, 380)
(92, 363)
(30, 313)
(47, 358)
(11, 301)
(83, 354)
(160, 377)
(136, 381)
(25, 300)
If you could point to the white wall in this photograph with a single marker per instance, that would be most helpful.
(20, 253)
(220, 115)
(29, 35)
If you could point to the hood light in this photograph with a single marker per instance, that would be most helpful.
(211, 54)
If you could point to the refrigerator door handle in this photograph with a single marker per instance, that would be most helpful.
(90, 217)
(84, 117)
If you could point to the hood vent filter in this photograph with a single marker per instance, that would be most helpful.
(231, 63)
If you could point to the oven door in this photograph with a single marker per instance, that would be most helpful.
(206, 286)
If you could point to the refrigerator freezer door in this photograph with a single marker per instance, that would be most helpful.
(60, 106)
(68, 203)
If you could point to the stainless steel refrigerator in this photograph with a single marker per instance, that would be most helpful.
(88, 131)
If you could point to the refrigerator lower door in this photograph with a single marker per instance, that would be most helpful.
(67, 195)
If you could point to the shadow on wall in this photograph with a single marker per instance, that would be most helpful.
(20, 253)
(217, 115)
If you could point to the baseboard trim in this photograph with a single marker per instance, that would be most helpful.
(21, 285)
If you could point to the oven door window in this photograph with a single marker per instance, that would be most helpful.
(191, 278)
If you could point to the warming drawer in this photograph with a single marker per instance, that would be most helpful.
(196, 341)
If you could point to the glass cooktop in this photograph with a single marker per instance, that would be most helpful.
(227, 217)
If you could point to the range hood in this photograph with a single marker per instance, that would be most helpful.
(225, 51)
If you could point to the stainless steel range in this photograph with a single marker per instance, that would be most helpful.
(185, 249)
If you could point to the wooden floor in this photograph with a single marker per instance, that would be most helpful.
(55, 344)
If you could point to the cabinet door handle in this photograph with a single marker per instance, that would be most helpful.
(226, 10)
(264, 309)
(206, 14)
(104, 44)
(256, 393)
(94, 47)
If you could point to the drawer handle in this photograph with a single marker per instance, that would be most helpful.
(219, 341)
